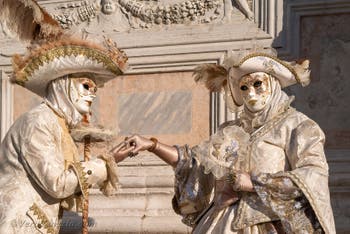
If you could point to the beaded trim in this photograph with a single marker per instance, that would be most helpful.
(82, 177)
(43, 218)
(63, 51)
(289, 67)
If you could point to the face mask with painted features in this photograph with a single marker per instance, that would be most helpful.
(255, 89)
(82, 92)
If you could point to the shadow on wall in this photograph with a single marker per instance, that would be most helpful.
(322, 39)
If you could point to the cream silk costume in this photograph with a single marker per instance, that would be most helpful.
(40, 168)
(40, 171)
(285, 157)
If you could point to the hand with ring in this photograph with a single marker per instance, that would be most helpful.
(130, 147)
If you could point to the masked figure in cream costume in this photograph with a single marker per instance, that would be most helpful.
(40, 169)
(265, 172)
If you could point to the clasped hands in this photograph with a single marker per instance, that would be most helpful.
(227, 189)
(240, 181)
(131, 146)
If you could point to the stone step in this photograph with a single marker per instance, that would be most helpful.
(131, 210)
(146, 181)
(126, 224)
(142, 204)
(141, 171)
(143, 159)
(145, 201)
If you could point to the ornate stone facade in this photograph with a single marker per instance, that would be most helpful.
(165, 40)
(134, 14)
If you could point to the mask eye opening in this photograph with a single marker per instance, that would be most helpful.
(244, 87)
(86, 86)
(257, 83)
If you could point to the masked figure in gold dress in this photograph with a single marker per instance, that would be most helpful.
(266, 171)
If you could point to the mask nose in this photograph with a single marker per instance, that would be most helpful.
(251, 92)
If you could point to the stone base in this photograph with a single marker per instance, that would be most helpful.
(142, 205)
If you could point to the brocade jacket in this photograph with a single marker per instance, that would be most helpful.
(39, 169)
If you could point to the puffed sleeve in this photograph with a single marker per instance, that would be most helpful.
(283, 191)
(192, 186)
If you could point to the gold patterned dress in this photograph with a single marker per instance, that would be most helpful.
(284, 156)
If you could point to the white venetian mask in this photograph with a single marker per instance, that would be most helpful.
(82, 92)
(255, 89)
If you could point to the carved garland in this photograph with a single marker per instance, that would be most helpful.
(84, 12)
(178, 13)
(149, 12)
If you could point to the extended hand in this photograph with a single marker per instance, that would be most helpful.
(140, 143)
(130, 147)
(121, 151)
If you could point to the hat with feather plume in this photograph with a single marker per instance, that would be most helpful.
(52, 52)
(227, 76)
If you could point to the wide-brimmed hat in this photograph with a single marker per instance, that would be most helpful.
(287, 73)
(66, 56)
(216, 76)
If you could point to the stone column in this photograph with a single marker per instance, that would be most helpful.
(6, 104)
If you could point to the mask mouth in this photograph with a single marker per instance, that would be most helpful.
(252, 102)
(89, 99)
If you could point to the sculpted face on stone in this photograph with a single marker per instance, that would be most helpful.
(108, 6)
(82, 92)
(255, 89)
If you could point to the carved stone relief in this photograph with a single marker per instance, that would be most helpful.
(125, 15)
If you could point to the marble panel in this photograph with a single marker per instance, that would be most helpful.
(155, 113)
(169, 106)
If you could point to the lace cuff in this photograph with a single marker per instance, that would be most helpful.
(192, 186)
(111, 185)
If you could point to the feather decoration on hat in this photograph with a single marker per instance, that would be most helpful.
(28, 21)
(213, 76)
(301, 68)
